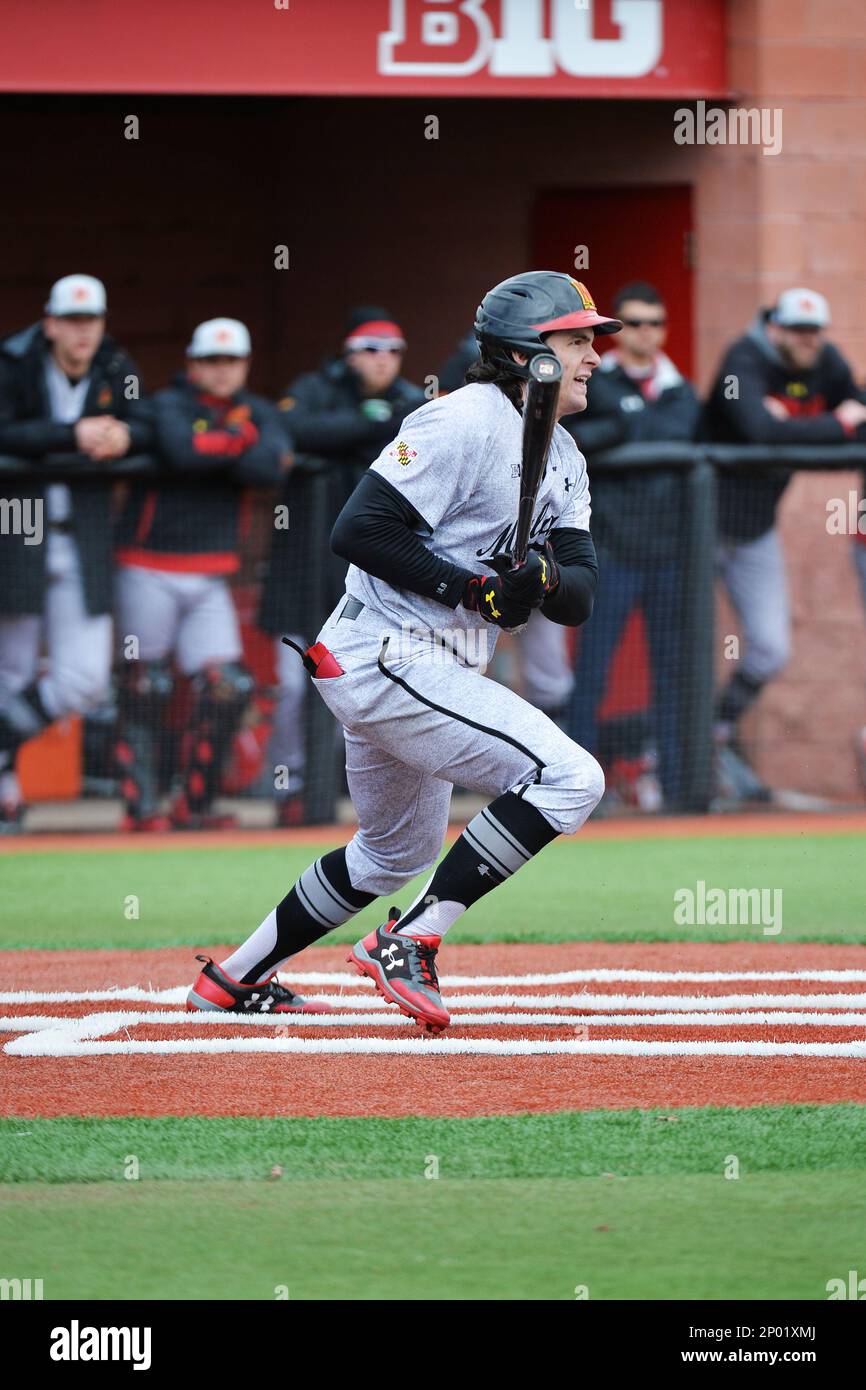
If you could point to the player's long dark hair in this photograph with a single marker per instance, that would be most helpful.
(490, 373)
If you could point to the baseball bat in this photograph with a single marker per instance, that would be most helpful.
(539, 417)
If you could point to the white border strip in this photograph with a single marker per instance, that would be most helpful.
(80, 1038)
(176, 994)
(49, 1043)
(596, 1002)
(391, 1019)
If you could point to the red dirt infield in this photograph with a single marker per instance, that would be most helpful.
(387, 1084)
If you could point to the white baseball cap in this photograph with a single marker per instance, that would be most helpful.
(220, 338)
(800, 308)
(76, 294)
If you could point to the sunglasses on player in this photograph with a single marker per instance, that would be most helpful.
(375, 345)
(218, 359)
(646, 323)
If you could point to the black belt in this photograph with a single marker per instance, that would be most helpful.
(351, 608)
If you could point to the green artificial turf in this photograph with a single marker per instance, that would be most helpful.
(779, 1236)
(614, 890)
(623, 1205)
(627, 1143)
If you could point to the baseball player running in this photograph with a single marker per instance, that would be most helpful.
(400, 662)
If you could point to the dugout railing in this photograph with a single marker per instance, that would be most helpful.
(696, 468)
(311, 497)
(699, 467)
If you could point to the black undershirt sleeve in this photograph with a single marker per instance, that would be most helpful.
(571, 604)
(376, 531)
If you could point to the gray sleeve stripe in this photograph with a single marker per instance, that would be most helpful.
(496, 844)
(506, 834)
(313, 908)
(332, 892)
(482, 849)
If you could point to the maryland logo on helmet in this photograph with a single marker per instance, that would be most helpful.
(585, 296)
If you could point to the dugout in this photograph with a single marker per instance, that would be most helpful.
(305, 126)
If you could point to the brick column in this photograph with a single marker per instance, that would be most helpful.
(765, 223)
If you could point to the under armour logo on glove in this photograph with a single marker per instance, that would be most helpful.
(389, 952)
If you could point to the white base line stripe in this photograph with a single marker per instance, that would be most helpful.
(596, 1002)
(391, 1019)
(176, 994)
(50, 1043)
(575, 977)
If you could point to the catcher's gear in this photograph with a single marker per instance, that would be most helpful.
(519, 311)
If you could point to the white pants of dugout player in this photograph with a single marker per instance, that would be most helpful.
(77, 644)
(191, 618)
(417, 721)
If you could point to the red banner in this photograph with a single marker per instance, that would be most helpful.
(556, 48)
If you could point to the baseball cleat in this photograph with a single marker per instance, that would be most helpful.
(403, 969)
(215, 990)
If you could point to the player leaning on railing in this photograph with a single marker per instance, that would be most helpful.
(66, 387)
(427, 532)
(782, 382)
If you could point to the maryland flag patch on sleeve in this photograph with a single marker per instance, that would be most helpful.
(402, 453)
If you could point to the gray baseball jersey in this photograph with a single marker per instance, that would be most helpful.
(419, 714)
(457, 460)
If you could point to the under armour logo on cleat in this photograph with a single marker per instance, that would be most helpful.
(389, 952)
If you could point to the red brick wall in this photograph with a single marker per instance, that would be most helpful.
(765, 223)
(182, 224)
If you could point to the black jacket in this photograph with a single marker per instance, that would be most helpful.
(323, 415)
(747, 503)
(452, 373)
(636, 514)
(214, 449)
(27, 431)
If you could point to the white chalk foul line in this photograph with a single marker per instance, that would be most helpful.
(51, 1043)
(176, 994)
(367, 1000)
(575, 977)
(71, 1037)
(766, 1018)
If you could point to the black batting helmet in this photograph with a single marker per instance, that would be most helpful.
(519, 311)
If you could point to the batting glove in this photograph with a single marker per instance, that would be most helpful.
(484, 594)
(552, 577)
